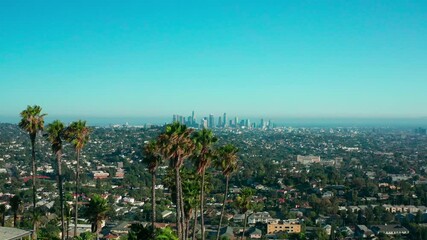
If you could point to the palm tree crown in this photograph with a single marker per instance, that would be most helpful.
(227, 159)
(54, 135)
(203, 140)
(96, 212)
(175, 144)
(152, 156)
(32, 120)
(77, 133)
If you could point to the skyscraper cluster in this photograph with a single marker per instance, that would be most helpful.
(221, 122)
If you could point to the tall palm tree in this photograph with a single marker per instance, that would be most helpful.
(32, 121)
(96, 212)
(243, 203)
(15, 203)
(3, 213)
(153, 159)
(204, 139)
(176, 145)
(77, 133)
(55, 131)
(227, 163)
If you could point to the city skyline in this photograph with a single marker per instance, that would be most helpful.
(102, 59)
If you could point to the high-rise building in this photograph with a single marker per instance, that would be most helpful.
(211, 123)
(225, 120)
(204, 123)
(248, 123)
(262, 123)
(193, 120)
(219, 122)
(236, 122)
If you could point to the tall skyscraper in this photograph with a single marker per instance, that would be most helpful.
(193, 120)
(211, 123)
(204, 123)
(219, 122)
(225, 120)
(236, 122)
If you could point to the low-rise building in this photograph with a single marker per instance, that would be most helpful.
(290, 226)
(392, 229)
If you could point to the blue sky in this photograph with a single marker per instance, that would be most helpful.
(276, 59)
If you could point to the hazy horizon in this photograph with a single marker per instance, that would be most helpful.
(283, 121)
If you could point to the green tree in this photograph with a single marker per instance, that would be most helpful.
(96, 212)
(32, 121)
(227, 163)
(78, 135)
(203, 139)
(243, 203)
(55, 131)
(165, 234)
(153, 159)
(15, 203)
(176, 146)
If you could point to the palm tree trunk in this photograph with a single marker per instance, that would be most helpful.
(195, 224)
(76, 208)
(33, 155)
(178, 204)
(244, 228)
(61, 194)
(2, 219)
(153, 199)
(202, 198)
(68, 227)
(223, 206)
(183, 221)
(187, 226)
(14, 219)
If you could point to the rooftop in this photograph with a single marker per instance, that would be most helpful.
(8, 233)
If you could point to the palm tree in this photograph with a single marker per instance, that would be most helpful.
(3, 213)
(204, 140)
(227, 163)
(243, 203)
(77, 133)
(55, 131)
(152, 159)
(32, 121)
(176, 145)
(96, 212)
(15, 202)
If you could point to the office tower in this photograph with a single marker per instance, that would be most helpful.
(175, 118)
(211, 123)
(230, 123)
(270, 125)
(219, 122)
(225, 120)
(262, 124)
(193, 120)
(204, 123)
(189, 121)
(248, 123)
(236, 122)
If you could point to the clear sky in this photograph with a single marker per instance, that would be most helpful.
(249, 58)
